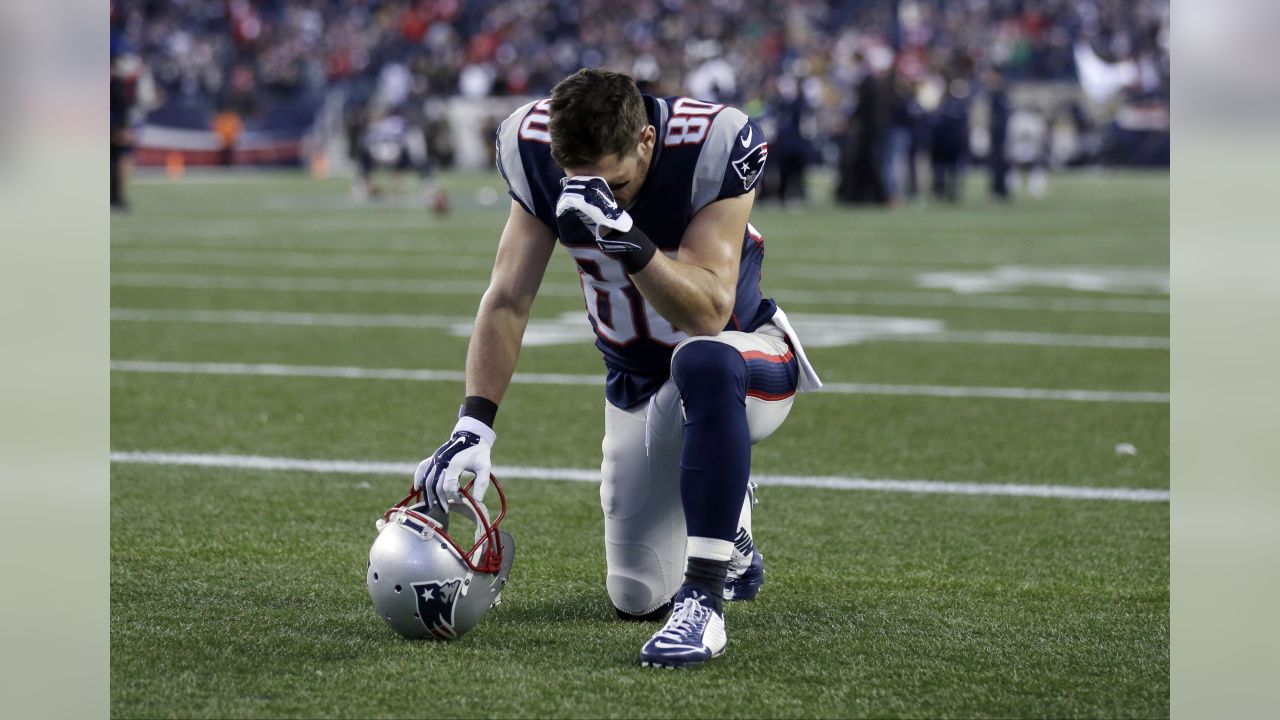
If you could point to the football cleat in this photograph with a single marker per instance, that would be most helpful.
(745, 584)
(746, 564)
(693, 634)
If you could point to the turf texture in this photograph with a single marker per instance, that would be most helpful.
(240, 593)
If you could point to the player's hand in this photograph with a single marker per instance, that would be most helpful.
(466, 451)
(590, 198)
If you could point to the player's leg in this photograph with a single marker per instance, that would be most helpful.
(666, 441)
(121, 165)
(715, 462)
(643, 519)
(772, 375)
(715, 377)
(362, 187)
(117, 177)
(416, 145)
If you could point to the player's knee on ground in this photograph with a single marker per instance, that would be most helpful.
(659, 613)
(636, 596)
(707, 366)
(643, 524)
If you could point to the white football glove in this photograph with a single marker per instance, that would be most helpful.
(466, 451)
(591, 199)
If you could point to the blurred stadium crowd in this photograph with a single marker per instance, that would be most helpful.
(852, 83)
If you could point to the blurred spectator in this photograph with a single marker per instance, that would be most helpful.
(273, 61)
(227, 126)
(869, 130)
(906, 123)
(1029, 149)
(393, 142)
(950, 141)
(789, 146)
(132, 94)
(720, 49)
(998, 126)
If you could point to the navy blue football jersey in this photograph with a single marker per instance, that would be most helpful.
(704, 152)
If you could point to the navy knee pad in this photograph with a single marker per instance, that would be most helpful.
(707, 367)
(716, 459)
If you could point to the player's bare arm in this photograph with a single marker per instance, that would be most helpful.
(521, 263)
(518, 269)
(695, 290)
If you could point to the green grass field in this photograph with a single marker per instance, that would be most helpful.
(240, 592)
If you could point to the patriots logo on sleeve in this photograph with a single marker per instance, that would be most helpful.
(435, 606)
(749, 166)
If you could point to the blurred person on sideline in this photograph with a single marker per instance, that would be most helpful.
(389, 141)
(1029, 150)
(791, 146)
(950, 142)
(228, 127)
(871, 118)
(906, 123)
(998, 125)
(133, 94)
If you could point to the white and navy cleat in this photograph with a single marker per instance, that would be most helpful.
(693, 634)
(744, 584)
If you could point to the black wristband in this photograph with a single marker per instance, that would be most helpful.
(480, 408)
(633, 261)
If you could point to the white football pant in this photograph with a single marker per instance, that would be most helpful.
(644, 530)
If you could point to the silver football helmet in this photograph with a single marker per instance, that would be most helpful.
(422, 582)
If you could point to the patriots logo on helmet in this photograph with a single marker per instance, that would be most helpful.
(435, 606)
(750, 165)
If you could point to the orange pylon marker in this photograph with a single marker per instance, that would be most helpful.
(174, 166)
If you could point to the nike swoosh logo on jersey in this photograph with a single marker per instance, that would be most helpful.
(746, 142)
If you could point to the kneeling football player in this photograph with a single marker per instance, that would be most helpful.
(651, 197)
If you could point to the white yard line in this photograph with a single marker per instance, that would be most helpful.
(1006, 337)
(346, 373)
(413, 286)
(302, 319)
(302, 283)
(302, 257)
(402, 237)
(1003, 393)
(910, 272)
(415, 375)
(405, 469)
(1039, 303)
(406, 233)
(414, 236)
(358, 320)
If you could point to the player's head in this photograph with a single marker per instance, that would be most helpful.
(599, 127)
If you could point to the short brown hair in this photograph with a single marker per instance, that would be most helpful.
(595, 113)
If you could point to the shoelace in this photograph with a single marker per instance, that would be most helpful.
(684, 620)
